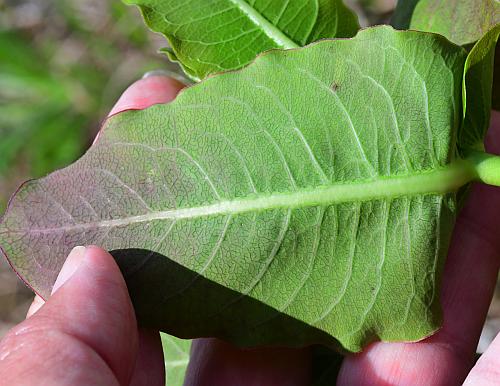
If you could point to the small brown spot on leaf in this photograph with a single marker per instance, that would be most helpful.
(335, 86)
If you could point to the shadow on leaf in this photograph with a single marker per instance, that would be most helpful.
(169, 297)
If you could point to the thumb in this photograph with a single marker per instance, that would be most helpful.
(85, 334)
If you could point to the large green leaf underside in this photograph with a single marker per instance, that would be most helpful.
(461, 21)
(307, 198)
(214, 36)
(176, 353)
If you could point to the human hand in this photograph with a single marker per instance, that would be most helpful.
(85, 334)
(82, 337)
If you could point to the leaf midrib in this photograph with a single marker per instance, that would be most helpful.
(437, 181)
(267, 27)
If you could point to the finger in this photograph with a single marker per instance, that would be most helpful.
(150, 90)
(150, 366)
(468, 283)
(214, 362)
(85, 334)
(487, 369)
(146, 92)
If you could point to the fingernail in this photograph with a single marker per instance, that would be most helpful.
(152, 73)
(70, 266)
(35, 306)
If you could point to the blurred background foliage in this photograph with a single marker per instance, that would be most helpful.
(63, 64)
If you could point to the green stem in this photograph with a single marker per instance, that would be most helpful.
(486, 167)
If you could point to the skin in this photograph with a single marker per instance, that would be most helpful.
(86, 333)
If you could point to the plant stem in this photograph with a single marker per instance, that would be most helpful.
(486, 166)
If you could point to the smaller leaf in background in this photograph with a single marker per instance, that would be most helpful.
(210, 37)
(176, 353)
(477, 85)
(461, 21)
(401, 17)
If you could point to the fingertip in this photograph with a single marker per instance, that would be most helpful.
(146, 92)
(487, 369)
(92, 304)
(87, 323)
(100, 259)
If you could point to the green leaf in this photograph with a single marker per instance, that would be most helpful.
(216, 36)
(307, 198)
(478, 79)
(461, 21)
(176, 353)
(401, 16)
